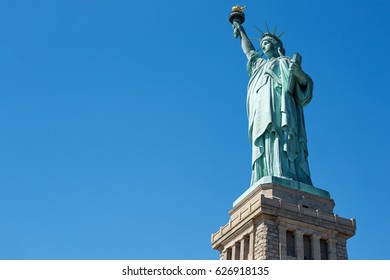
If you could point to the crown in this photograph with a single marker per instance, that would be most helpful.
(268, 34)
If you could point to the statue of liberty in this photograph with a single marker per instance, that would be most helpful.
(278, 89)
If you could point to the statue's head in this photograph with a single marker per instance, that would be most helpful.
(271, 44)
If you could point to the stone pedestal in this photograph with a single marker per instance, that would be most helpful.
(279, 219)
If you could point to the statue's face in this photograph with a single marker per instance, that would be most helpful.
(268, 48)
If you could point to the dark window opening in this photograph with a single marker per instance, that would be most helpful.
(307, 248)
(237, 253)
(228, 254)
(324, 249)
(290, 238)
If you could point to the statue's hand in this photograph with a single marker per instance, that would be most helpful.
(297, 71)
(236, 29)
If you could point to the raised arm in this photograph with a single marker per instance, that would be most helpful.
(246, 44)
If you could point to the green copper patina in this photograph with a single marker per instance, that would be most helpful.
(278, 90)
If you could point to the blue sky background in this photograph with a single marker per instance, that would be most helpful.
(124, 132)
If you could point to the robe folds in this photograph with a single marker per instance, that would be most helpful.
(276, 123)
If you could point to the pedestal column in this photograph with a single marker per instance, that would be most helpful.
(282, 242)
(315, 241)
(299, 244)
(332, 249)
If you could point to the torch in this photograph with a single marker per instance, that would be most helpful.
(237, 15)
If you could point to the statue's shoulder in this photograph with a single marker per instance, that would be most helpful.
(255, 60)
(254, 55)
(285, 60)
(285, 57)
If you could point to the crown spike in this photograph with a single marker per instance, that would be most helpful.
(276, 26)
(281, 34)
(266, 25)
(258, 29)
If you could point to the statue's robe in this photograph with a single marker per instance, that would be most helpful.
(276, 123)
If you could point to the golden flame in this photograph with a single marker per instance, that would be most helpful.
(238, 9)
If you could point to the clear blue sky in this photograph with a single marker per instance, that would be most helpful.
(124, 132)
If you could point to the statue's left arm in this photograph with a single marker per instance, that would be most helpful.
(302, 78)
(304, 82)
